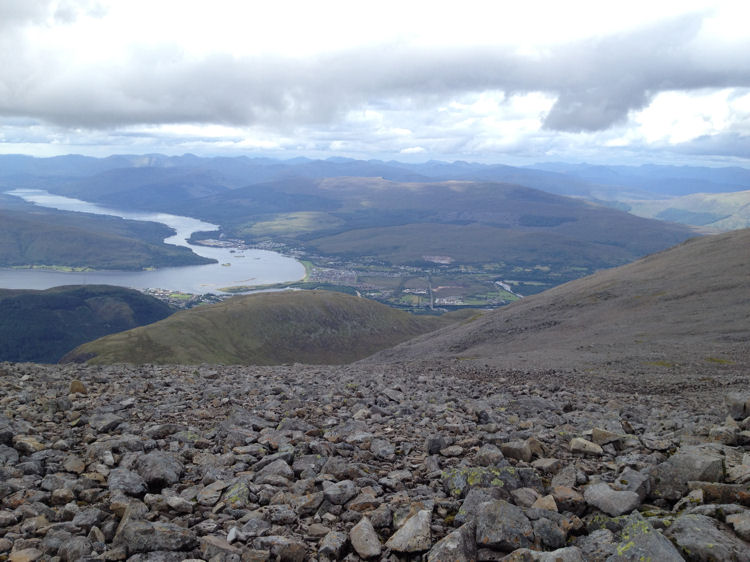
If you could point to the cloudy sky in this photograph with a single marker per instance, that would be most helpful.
(490, 81)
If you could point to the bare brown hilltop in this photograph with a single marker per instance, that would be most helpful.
(684, 308)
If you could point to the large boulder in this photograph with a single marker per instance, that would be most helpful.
(502, 526)
(700, 538)
(159, 469)
(700, 463)
(612, 502)
(640, 541)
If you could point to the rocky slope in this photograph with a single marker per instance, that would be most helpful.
(684, 309)
(377, 462)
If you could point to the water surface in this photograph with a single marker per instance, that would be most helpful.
(234, 267)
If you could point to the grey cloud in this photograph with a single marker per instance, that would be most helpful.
(597, 82)
(23, 12)
(15, 12)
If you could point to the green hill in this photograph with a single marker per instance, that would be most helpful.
(53, 238)
(41, 326)
(316, 327)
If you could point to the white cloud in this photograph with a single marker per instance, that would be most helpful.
(477, 82)
(413, 150)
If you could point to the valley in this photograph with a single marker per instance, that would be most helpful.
(603, 416)
(410, 238)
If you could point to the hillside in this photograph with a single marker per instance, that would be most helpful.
(682, 309)
(53, 238)
(42, 326)
(715, 211)
(316, 327)
(402, 222)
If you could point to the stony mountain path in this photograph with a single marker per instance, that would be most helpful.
(399, 462)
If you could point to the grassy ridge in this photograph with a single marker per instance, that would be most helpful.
(41, 326)
(316, 327)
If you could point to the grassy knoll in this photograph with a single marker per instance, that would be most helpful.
(317, 327)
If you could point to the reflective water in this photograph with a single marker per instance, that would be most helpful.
(245, 267)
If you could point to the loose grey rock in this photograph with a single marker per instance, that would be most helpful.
(690, 463)
(524, 497)
(332, 545)
(382, 449)
(340, 492)
(502, 526)
(74, 549)
(640, 541)
(477, 496)
(565, 477)
(210, 495)
(568, 554)
(414, 536)
(435, 443)
(458, 481)
(633, 481)
(179, 504)
(598, 545)
(585, 447)
(87, 518)
(488, 455)
(700, 538)
(127, 481)
(517, 450)
(104, 423)
(612, 502)
(364, 539)
(144, 536)
(159, 469)
(255, 526)
(457, 546)
(277, 468)
(549, 533)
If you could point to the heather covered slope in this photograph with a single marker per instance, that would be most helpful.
(316, 327)
(686, 307)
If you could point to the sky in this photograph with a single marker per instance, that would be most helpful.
(486, 81)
